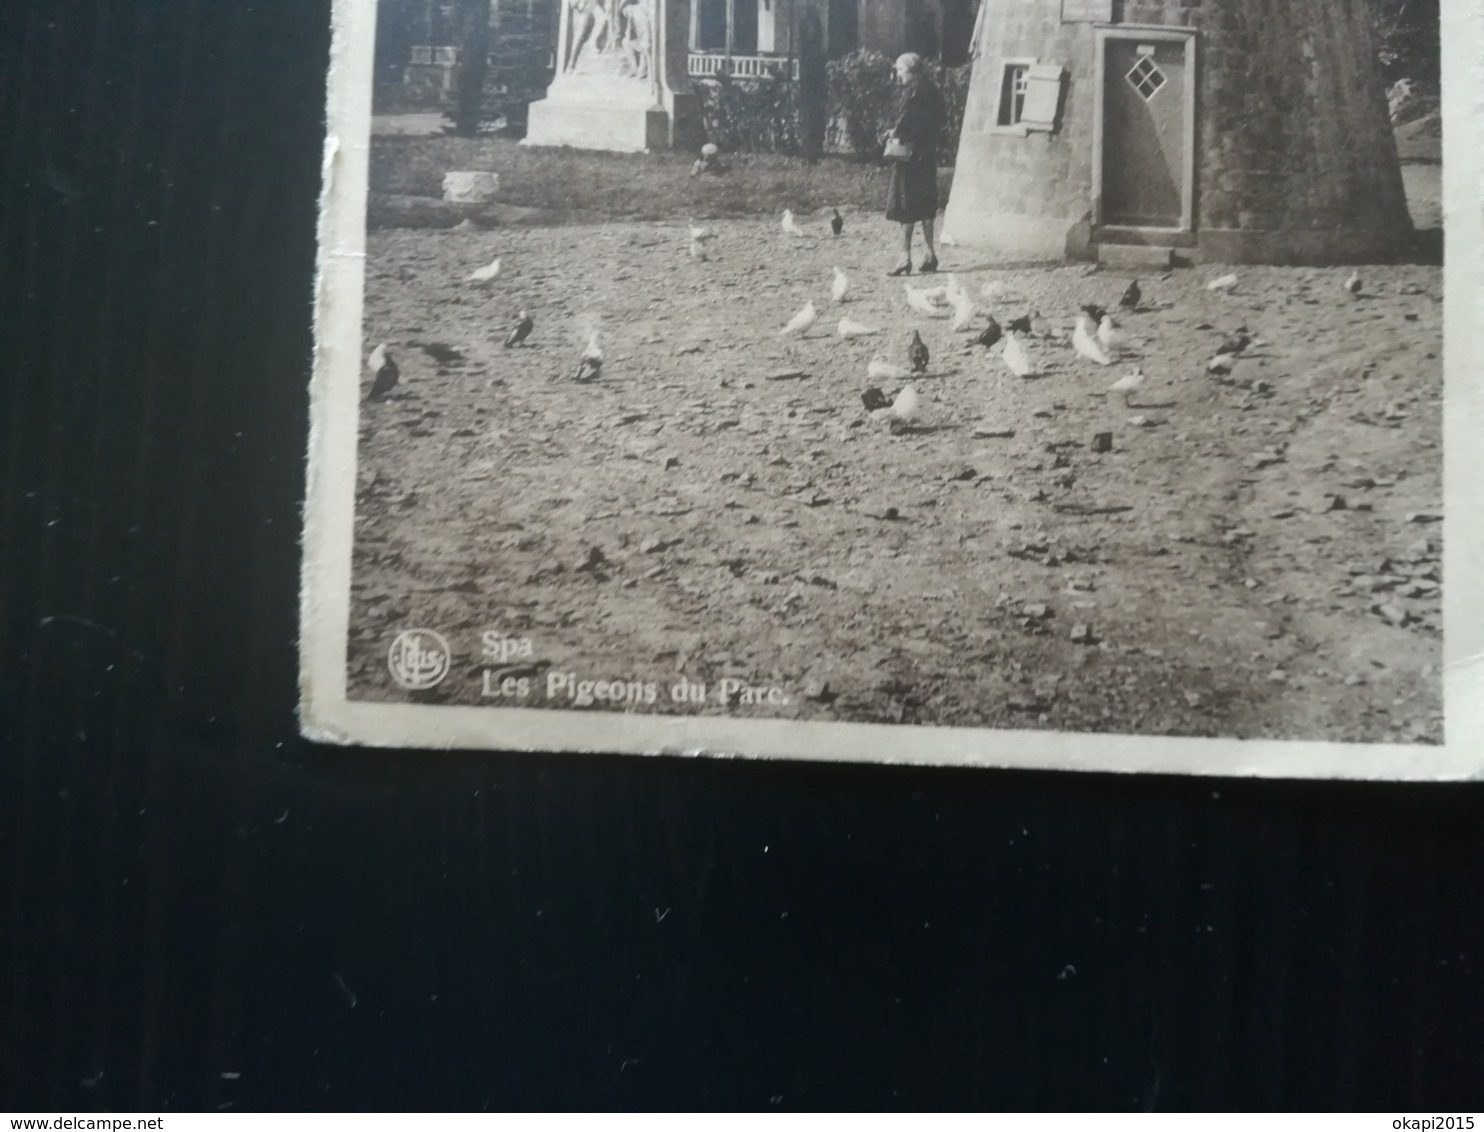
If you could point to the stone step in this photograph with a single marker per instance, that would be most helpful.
(1148, 256)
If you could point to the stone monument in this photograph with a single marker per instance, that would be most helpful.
(621, 81)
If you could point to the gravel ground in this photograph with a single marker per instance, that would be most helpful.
(1257, 556)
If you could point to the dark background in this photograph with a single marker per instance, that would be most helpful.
(188, 889)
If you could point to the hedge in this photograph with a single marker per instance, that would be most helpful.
(762, 115)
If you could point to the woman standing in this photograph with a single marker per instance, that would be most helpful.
(914, 179)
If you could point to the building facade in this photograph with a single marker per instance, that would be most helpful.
(1221, 130)
(417, 53)
(748, 37)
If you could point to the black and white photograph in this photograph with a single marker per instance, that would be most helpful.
(1046, 367)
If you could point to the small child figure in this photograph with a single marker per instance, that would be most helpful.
(709, 161)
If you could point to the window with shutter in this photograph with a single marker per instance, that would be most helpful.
(1014, 80)
(1042, 96)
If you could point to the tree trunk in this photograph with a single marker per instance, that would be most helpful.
(814, 86)
(473, 18)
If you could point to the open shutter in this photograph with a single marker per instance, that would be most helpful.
(1042, 96)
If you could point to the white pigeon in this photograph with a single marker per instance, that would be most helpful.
(922, 303)
(902, 411)
(1128, 383)
(384, 372)
(591, 362)
(882, 370)
(995, 290)
(840, 286)
(849, 328)
(698, 251)
(1224, 283)
(963, 305)
(1017, 357)
(790, 227)
(963, 312)
(1109, 337)
(1086, 344)
(1353, 284)
(486, 274)
(801, 321)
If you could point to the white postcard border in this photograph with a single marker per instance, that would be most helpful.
(328, 716)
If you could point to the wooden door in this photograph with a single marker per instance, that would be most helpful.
(1145, 161)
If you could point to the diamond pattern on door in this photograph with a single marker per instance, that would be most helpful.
(1146, 77)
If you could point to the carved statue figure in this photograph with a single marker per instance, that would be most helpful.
(638, 39)
(587, 31)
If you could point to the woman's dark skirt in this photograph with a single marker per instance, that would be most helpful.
(914, 192)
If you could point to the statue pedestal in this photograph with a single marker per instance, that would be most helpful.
(624, 87)
(609, 112)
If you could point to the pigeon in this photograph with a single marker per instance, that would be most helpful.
(384, 372)
(837, 222)
(917, 354)
(995, 290)
(591, 361)
(922, 302)
(487, 274)
(1353, 284)
(963, 305)
(874, 399)
(790, 227)
(698, 251)
(840, 286)
(1017, 359)
(902, 411)
(1087, 345)
(1128, 383)
(1108, 336)
(1131, 297)
(522, 330)
(963, 315)
(990, 334)
(801, 321)
(1021, 325)
(1041, 327)
(849, 328)
(882, 370)
(1095, 312)
(1225, 283)
(441, 352)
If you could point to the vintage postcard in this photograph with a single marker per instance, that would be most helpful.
(1079, 384)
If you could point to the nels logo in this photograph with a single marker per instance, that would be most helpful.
(419, 659)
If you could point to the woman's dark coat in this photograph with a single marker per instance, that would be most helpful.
(914, 184)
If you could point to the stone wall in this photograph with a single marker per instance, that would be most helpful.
(1023, 195)
(1295, 157)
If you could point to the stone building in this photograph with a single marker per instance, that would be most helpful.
(1200, 130)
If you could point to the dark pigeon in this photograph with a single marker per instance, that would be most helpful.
(917, 354)
(522, 330)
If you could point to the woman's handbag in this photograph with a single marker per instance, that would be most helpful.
(897, 150)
